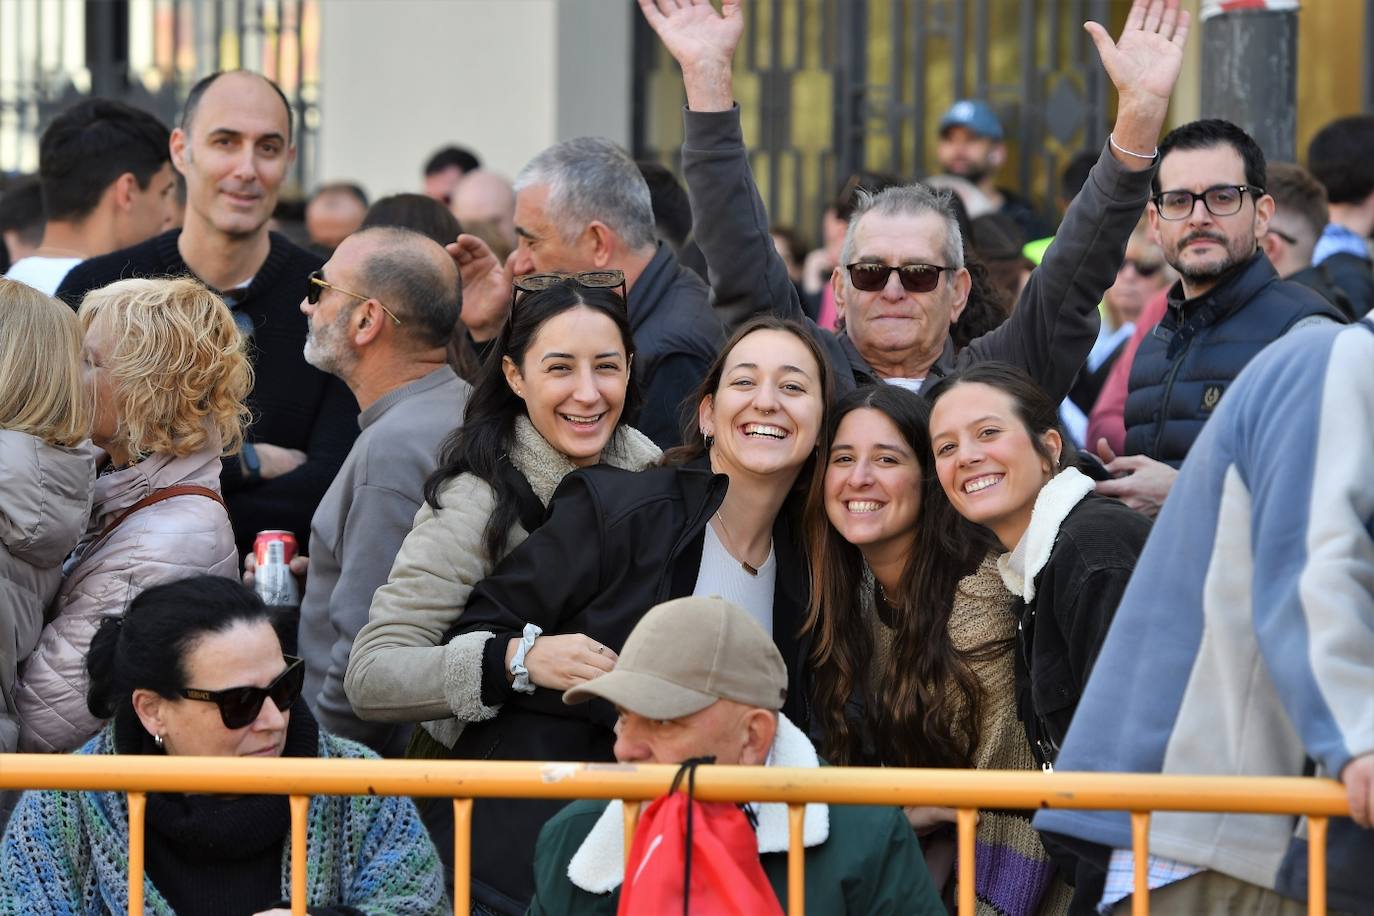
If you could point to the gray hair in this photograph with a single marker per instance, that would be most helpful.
(591, 178)
(414, 277)
(908, 200)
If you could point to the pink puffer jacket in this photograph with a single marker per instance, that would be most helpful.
(179, 537)
(45, 502)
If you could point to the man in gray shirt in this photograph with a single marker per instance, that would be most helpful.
(381, 311)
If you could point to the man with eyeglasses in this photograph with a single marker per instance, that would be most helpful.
(902, 282)
(380, 312)
(234, 148)
(1210, 210)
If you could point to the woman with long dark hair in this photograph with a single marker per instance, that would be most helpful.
(553, 396)
(717, 519)
(912, 634)
(1006, 465)
(194, 668)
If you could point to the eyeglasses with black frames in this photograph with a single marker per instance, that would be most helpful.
(239, 706)
(871, 276)
(1220, 200)
(319, 283)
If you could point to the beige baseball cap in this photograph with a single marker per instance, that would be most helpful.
(685, 654)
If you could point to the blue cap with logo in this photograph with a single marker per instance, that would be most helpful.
(976, 115)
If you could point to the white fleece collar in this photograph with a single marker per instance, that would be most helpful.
(1054, 502)
(598, 866)
(545, 466)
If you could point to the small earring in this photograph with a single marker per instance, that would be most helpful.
(157, 739)
(709, 439)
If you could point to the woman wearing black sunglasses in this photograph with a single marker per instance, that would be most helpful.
(194, 668)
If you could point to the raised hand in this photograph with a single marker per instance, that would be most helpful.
(486, 286)
(703, 42)
(1145, 61)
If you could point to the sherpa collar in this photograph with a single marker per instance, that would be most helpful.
(545, 466)
(1054, 502)
(598, 866)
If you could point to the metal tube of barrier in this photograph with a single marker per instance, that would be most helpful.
(1316, 866)
(138, 804)
(631, 812)
(967, 821)
(1140, 854)
(462, 856)
(300, 806)
(796, 860)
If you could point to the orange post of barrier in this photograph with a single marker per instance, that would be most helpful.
(631, 812)
(1316, 866)
(796, 860)
(967, 822)
(462, 856)
(138, 804)
(1140, 855)
(300, 807)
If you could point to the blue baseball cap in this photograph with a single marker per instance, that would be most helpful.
(976, 115)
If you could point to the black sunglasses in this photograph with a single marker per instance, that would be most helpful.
(239, 706)
(1144, 268)
(916, 278)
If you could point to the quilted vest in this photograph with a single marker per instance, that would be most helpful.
(1185, 365)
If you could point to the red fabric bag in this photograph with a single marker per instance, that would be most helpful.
(709, 848)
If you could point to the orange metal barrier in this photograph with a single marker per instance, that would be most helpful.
(965, 790)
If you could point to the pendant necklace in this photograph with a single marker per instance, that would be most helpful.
(730, 545)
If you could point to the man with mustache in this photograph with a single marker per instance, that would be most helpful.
(234, 147)
(1211, 210)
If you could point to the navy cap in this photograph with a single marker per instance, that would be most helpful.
(976, 115)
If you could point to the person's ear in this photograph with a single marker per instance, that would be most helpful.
(705, 421)
(760, 726)
(840, 289)
(602, 240)
(177, 146)
(1054, 444)
(513, 377)
(1264, 212)
(124, 188)
(997, 156)
(1152, 213)
(960, 285)
(1269, 243)
(369, 322)
(148, 706)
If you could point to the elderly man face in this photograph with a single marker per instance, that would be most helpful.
(731, 732)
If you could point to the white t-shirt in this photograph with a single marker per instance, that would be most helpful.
(43, 274)
(721, 575)
(910, 384)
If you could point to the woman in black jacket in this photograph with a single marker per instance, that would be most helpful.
(715, 520)
(1004, 464)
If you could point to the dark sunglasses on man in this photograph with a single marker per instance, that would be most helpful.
(239, 706)
(871, 276)
(318, 284)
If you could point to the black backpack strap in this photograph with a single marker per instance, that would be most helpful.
(528, 508)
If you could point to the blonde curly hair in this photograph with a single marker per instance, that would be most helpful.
(179, 365)
(41, 391)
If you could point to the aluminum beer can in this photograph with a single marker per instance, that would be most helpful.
(272, 579)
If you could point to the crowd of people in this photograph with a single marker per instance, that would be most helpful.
(597, 465)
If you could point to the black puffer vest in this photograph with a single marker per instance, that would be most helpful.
(1185, 365)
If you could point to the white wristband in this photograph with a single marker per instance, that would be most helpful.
(1121, 149)
(517, 664)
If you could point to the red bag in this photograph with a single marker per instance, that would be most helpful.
(709, 848)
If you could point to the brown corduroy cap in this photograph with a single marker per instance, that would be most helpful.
(685, 654)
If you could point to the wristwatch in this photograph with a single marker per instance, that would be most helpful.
(249, 463)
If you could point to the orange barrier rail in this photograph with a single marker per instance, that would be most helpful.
(965, 790)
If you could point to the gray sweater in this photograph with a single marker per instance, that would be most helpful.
(1049, 333)
(357, 531)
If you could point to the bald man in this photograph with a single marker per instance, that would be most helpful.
(234, 147)
(485, 206)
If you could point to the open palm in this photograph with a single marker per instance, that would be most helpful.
(693, 31)
(1148, 56)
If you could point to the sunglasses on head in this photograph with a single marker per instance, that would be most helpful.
(916, 278)
(590, 279)
(239, 706)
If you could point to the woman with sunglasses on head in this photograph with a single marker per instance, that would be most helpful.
(194, 669)
(912, 636)
(717, 519)
(167, 373)
(1005, 464)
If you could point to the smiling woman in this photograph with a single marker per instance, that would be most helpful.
(716, 519)
(1004, 464)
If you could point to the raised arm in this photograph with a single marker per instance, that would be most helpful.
(731, 224)
(1056, 318)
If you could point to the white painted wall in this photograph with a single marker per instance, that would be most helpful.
(505, 78)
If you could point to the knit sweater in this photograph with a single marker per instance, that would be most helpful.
(1013, 874)
(294, 405)
(68, 853)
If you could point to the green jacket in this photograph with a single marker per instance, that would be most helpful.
(870, 865)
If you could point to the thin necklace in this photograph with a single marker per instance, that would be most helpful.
(730, 547)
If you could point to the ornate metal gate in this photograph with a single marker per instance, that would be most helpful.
(149, 53)
(831, 86)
